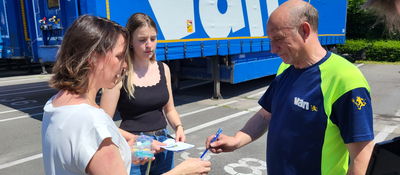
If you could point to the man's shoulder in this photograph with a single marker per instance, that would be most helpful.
(339, 73)
(339, 64)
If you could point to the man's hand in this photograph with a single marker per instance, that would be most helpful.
(224, 143)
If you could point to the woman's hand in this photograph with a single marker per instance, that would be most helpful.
(156, 146)
(129, 137)
(179, 134)
(191, 166)
(142, 161)
(131, 141)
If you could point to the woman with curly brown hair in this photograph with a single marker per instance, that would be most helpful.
(78, 137)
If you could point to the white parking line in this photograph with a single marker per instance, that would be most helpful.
(255, 109)
(188, 131)
(207, 108)
(26, 78)
(24, 92)
(31, 87)
(397, 113)
(381, 136)
(256, 94)
(20, 117)
(359, 65)
(210, 123)
(7, 81)
(20, 109)
(10, 164)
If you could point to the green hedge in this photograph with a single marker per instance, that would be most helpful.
(384, 51)
(354, 46)
(371, 50)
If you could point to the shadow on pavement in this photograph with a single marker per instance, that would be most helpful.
(228, 90)
(29, 99)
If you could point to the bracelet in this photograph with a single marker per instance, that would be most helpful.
(176, 126)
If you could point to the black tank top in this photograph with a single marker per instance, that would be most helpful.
(144, 111)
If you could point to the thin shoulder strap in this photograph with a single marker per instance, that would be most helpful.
(162, 71)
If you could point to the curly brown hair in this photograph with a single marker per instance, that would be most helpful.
(88, 35)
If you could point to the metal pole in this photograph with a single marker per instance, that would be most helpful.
(217, 84)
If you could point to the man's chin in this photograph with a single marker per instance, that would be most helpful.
(285, 60)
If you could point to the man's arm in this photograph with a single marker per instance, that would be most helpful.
(257, 125)
(254, 128)
(360, 153)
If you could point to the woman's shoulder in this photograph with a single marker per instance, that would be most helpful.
(85, 113)
(163, 67)
(98, 114)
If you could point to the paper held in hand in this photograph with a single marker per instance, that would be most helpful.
(176, 146)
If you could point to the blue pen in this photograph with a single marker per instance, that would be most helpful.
(212, 140)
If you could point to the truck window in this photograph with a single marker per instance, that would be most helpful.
(53, 4)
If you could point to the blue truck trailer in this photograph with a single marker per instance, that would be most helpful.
(215, 40)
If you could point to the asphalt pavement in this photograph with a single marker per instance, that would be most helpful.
(22, 99)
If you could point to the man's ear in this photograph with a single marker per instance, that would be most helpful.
(305, 30)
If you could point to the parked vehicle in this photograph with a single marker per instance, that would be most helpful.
(216, 40)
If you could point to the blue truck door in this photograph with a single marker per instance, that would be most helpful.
(55, 17)
(15, 37)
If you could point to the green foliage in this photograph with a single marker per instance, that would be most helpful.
(359, 21)
(384, 51)
(354, 46)
(365, 36)
(371, 50)
(364, 24)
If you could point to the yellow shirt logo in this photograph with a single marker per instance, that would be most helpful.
(314, 108)
(359, 102)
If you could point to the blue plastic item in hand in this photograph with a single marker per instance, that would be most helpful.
(142, 147)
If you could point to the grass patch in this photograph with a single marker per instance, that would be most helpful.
(378, 62)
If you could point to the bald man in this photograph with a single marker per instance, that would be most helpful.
(317, 111)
